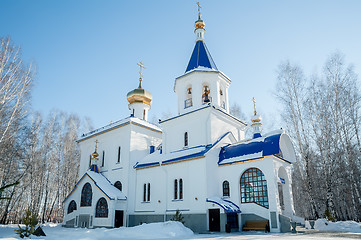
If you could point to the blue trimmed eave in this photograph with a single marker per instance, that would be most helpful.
(227, 205)
(201, 57)
(263, 147)
(206, 106)
(201, 153)
(95, 183)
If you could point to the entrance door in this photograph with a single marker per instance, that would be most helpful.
(214, 220)
(118, 219)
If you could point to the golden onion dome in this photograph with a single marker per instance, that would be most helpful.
(199, 23)
(139, 95)
(95, 154)
(256, 118)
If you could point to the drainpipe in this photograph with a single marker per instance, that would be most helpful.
(166, 191)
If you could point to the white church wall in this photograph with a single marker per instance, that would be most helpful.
(232, 173)
(221, 123)
(194, 124)
(198, 79)
(283, 170)
(140, 141)
(161, 180)
(193, 174)
(212, 174)
(108, 142)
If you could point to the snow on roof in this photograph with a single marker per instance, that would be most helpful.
(105, 186)
(118, 124)
(156, 158)
(227, 205)
(251, 149)
(145, 124)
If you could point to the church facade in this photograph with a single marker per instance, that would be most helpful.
(198, 163)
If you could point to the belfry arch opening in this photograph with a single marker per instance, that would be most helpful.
(206, 94)
(189, 99)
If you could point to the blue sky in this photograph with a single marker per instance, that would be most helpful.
(86, 51)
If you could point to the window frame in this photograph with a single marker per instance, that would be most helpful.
(119, 154)
(175, 189)
(119, 187)
(253, 187)
(72, 207)
(103, 158)
(102, 211)
(186, 142)
(226, 189)
(86, 196)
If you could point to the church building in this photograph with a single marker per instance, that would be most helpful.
(198, 163)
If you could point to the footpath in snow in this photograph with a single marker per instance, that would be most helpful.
(175, 230)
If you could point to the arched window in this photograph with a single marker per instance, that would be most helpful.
(226, 189)
(188, 102)
(175, 189)
(118, 185)
(119, 154)
(148, 195)
(180, 189)
(86, 196)
(222, 99)
(186, 139)
(72, 206)
(254, 187)
(103, 159)
(145, 193)
(101, 210)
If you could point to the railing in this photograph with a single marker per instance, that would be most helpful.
(188, 103)
(223, 105)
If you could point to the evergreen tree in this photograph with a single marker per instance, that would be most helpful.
(178, 217)
(30, 220)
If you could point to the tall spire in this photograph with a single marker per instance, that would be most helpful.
(200, 56)
(199, 23)
(256, 121)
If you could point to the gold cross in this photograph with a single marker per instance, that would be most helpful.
(96, 145)
(254, 106)
(199, 9)
(141, 66)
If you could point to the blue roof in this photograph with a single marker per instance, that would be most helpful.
(254, 149)
(201, 57)
(199, 152)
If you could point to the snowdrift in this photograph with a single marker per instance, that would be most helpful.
(162, 230)
(341, 226)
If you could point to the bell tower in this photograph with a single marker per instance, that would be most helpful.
(202, 83)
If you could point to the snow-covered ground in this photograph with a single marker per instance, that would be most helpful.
(175, 230)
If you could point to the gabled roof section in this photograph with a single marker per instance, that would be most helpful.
(201, 57)
(103, 184)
